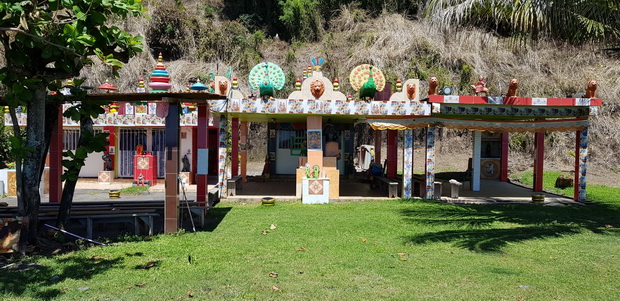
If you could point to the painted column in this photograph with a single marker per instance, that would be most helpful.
(503, 176)
(202, 153)
(149, 140)
(378, 137)
(407, 163)
(348, 151)
(392, 153)
(429, 166)
(223, 154)
(171, 212)
(194, 161)
(539, 160)
(234, 154)
(581, 160)
(56, 146)
(315, 140)
(270, 161)
(111, 148)
(475, 175)
(244, 150)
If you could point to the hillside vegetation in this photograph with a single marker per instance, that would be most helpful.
(198, 37)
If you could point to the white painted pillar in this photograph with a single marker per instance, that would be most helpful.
(429, 166)
(475, 175)
(407, 163)
(223, 172)
(581, 165)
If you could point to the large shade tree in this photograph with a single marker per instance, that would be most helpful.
(572, 20)
(44, 42)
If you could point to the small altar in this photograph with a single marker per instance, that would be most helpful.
(315, 191)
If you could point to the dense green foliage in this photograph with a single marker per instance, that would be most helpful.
(43, 43)
(305, 20)
(5, 145)
(575, 21)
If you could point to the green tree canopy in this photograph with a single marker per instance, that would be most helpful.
(572, 20)
(45, 41)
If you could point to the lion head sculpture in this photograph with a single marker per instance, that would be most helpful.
(432, 86)
(512, 88)
(223, 87)
(591, 89)
(411, 89)
(317, 88)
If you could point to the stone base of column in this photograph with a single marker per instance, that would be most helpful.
(105, 177)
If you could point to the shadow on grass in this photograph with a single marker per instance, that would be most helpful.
(474, 227)
(37, 281)
(212, 220)
(446, 176)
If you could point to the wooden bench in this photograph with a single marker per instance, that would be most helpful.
(419, 186)
(213, 197)
(135, 218)
(391, 185)
(233, 184)
(139, 218)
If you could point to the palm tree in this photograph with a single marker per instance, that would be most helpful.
(573, 20)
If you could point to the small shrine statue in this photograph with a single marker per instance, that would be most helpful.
(312, 172)
(139, 149)
(480, 87)
(186, 165)
(107, 162)
(432, 86)
(591, 89)
(513, 87)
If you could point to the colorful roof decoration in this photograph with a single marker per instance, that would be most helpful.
(107, 86)
(336, 84)
(160, 79)
(399, 85)
(318, 63)
(198, 86)
(273, 73)
(141, 87)
(360, 75)
(235, 83)
(518, 126)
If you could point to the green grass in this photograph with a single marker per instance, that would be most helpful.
(596, 193)
(549, 178)
(134, 190)
(374, 250)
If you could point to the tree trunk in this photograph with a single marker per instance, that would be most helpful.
(51, 111)
(64, 212)
(28, 203)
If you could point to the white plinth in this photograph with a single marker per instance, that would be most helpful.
(105, 177)
(315, 191)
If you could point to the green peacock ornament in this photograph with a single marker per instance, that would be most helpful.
(367, 79)
(266, 78)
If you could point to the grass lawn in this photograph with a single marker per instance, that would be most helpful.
(389, 250)
(134, 190)
(549, 178)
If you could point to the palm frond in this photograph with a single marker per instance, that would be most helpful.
(576, 21)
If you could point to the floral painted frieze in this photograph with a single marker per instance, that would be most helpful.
(329, 107)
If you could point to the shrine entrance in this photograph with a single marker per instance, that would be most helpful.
(153, 141)
(286, 158)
